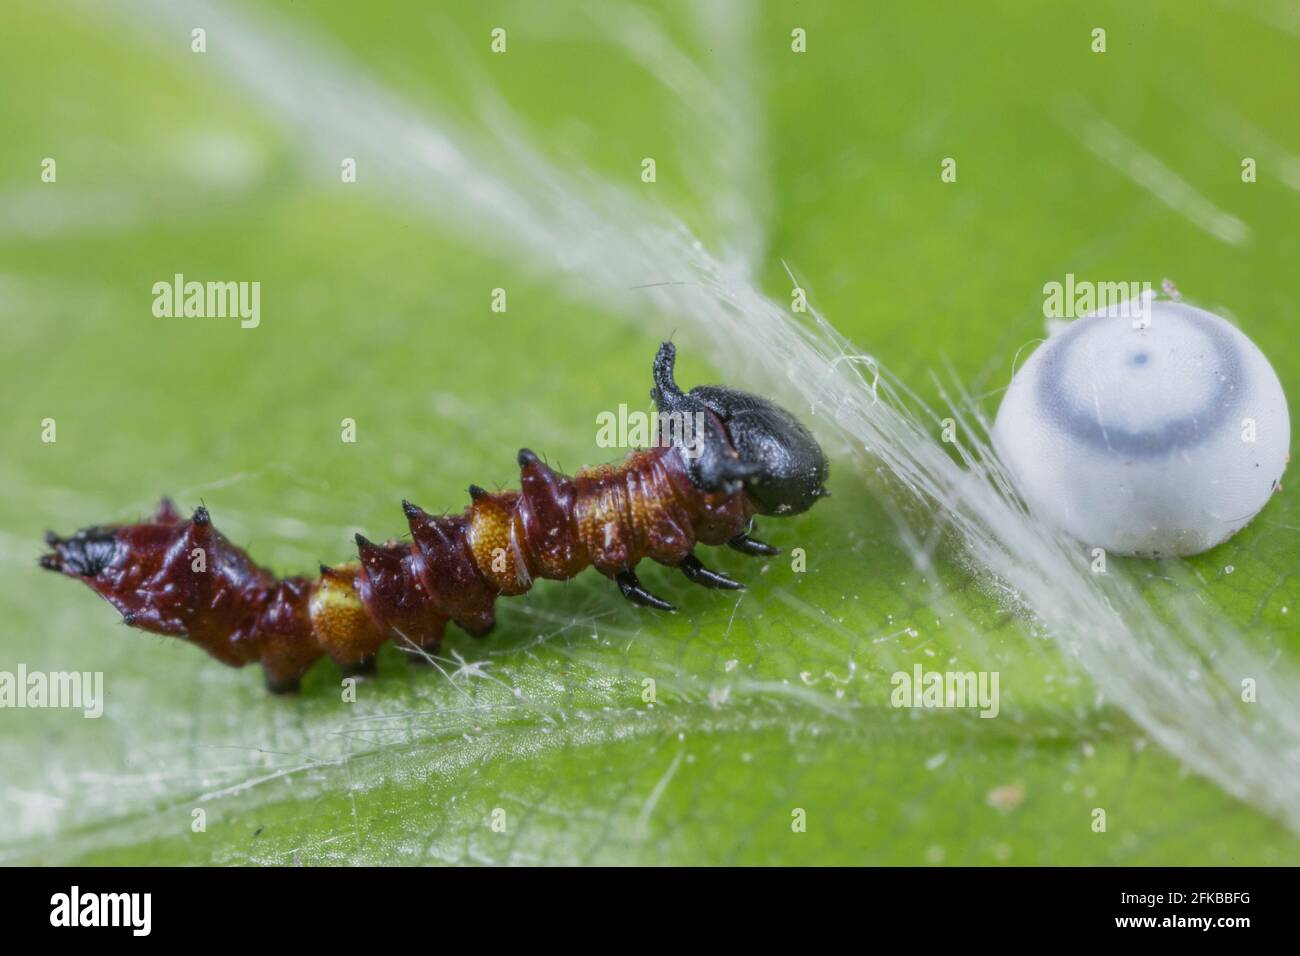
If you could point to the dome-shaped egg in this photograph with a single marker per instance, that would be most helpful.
(1154, 441)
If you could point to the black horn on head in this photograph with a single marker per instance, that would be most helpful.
(732, 439)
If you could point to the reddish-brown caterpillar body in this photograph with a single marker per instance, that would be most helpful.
(701, 484)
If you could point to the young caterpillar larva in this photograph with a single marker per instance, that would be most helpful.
(697, 485)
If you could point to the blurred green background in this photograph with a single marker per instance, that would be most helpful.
(377, 309)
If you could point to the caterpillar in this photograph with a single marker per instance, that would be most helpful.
(720, 457)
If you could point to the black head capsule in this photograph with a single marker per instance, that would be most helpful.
(733, 439)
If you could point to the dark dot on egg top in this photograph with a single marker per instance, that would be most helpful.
(1160, 437)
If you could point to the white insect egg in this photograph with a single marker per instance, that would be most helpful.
(1156, 440)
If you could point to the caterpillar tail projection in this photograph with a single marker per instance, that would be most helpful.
(722, 456)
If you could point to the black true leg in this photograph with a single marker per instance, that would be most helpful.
(747, 545)
(697, 572)
(634, 592)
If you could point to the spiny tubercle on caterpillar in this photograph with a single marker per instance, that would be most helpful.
(744, 456)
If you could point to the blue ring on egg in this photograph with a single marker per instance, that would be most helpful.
(1184, 432)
